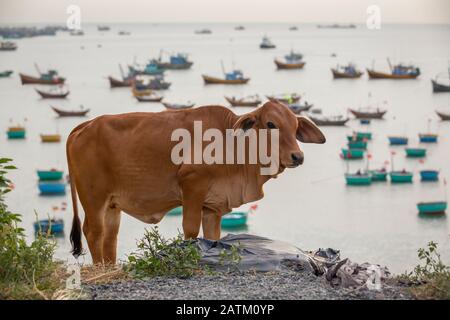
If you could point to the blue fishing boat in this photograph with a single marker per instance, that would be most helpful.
(429, 175)
(177, 62)
(358, 179)
(364, 121)
(416, 152)
(151, 68)
(52, 226)
(401, 176)
(176, 211)
(52, 188)
(398, 140)
(234, 219)
(432, 207)
(428, 137)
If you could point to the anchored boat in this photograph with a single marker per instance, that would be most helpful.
(51, 174)
(8, 46)
(50, 138)
(70, 113)
(346, 72)
(5, 74)
(53, 94)
(288, 98)
(398, 71)
(151, 97)
(329, 121)
(266, 43)
(299, 108)
(429, 175)
(234, 219)
(440, 87)
(52, 226)
(378, 174)
(51, 77)
(177, 106)
(17, 132)
(176, 211)
(401, 176)
(398, 140)
(358, 179)
(291, 61)
(358, 144)
(350, 154)
(432, 207)
(250, 101)
(368, 113)
(416, 152)
(428, 137)
(52, 188)
(177, 62)
(233, 77)
(443, 116)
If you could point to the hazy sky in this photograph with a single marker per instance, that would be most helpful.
(392, 11)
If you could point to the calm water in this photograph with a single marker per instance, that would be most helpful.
(309, 206)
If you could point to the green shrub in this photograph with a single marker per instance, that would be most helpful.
(25, 270)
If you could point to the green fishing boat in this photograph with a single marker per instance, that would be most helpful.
(401, 176)
(176, 211)
(416, 152)
(378, 175)
(53, 174)
(16, 133)
(5, 74)
(432, 207)
(364, 135)
(352, 153)
(353, 138)
(234, 219)
(359, 144)
(358, 179)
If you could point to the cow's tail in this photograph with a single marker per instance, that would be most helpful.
(75, 233)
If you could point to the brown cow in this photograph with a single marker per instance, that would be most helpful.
(123, 163)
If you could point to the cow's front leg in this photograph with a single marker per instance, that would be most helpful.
(194, 191)
(211, 224)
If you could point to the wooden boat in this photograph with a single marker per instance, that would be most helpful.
(149, 98)
(285, 98)
(70, 113)
(399, 72)
(428, 137)
(51, 95)
(378, 174)
(152, 68)
(156, 83)
(5, 74)
(16, 132)
(359, 144)
(432, 207)
(401, 176)
(50, 137)
(350, 154)
(329, 121)
(239, 28)
(368, 114)
(299, 108)
(52, 226)
(8, 46)
(53, 174)
(289, 65)
(415, 152)
(203, 31)
(178, 211)
(358, 179)
(50, 78)
(439, 87)
(267, 44)
(177, 106)
(115, 83)
(443, 116)
(234, 77)
(429, 175)
(177, 62)
(397, 140)
(52, 188)
(103, 28)
(244, 102)
(234, 219)
(346, 72)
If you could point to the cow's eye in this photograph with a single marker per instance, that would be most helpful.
(271, 125)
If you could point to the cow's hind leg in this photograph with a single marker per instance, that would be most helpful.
(211, 224)
(93, 228)
(112, 223)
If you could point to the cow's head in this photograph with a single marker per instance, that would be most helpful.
(274, 115)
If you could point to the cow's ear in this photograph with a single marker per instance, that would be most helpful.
(245, 122)
(308, 132)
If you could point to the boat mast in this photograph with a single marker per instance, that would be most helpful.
(223, 68)
(37, 68)
(389, 62)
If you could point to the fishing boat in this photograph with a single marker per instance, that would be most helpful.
(123, 33)
(234, 77)
(415, 152)
(288, 98)
(52, 226)
(428, 137)
(17, 132)
(432, 207)
(152, 68)
(398, 71)
(267, 44)
(293, 28)
(239, 28)
(52, 174)
(203, 31)
(50, 138)
(53, 94)
(8, 46)
(299, 108)
(378, 174)
(77, 33)
(364, 121)
(401, 176)
(368, 113)
(103, 28)
(52, 188)
(152, 97)
(329, 120)
(145, 87)
(429, 175)
(116, 83)
(176, 211)
(358, 144)
(358, 179)
(250, 101)
(178, 61)
(70, 113)
(346, 72)
(291, 61)
(50, 77)
(350, 154)
(439, 86)
(234, 219)
(177, 106)
(5, 74)
(359, 135)
(398, 140)
(443, 116)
